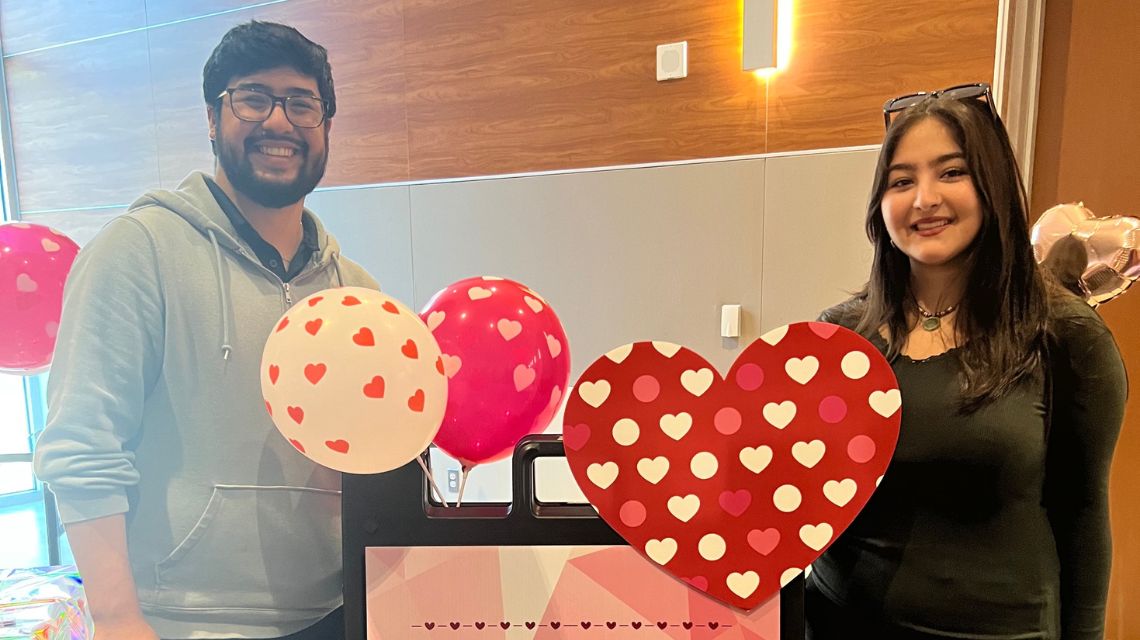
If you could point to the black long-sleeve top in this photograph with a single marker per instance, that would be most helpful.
(983, 526)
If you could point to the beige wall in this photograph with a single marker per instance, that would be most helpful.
(106, 98)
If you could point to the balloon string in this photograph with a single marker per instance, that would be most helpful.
(462, 485)
(431, 481)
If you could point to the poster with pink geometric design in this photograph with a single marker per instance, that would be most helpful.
(544, 593)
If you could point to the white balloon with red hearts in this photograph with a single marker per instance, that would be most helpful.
(354, 380)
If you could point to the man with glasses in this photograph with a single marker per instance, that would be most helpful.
(188, 514)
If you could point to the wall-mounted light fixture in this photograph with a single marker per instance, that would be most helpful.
(767, 35)
(760, 34)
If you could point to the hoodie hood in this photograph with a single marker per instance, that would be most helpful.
(194, 202)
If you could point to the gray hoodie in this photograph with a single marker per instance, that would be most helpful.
(155, 410)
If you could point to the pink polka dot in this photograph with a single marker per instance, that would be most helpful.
(832, 409)
(632, 514)
(861, 448)
(646, 388)
(749, 377)
(727, 421)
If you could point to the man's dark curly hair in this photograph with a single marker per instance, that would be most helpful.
(258, 46)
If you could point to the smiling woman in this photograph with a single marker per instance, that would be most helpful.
(992, 519)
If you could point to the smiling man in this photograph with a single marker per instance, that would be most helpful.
(188, 514)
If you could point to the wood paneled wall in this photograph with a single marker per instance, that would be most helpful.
(106, 101)
(1088, 148)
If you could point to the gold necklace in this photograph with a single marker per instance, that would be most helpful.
(932, 320)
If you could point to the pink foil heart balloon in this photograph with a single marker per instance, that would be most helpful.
(734, 484)
(1095, 257)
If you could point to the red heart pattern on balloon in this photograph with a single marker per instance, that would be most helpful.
(356, 387)
(736, 484)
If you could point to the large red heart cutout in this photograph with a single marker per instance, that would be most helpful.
(735, 484)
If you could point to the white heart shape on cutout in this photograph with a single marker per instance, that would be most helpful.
(619, 354)
(49, 246)
(816, 536)
(594, 393)
(855, 365)
(809, 453)
(435, 318)
(774, 336)
(661, 551)
(676, 426)
(697, 382)
(780, 415)
(684, 508)
(885, 403)
(840, 492)
(743, 584)
(756, 459)
(534, 305)
(802, 370)
(667, 349)
(653, 469)
(602, 475)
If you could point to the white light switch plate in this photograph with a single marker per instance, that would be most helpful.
(730, 321)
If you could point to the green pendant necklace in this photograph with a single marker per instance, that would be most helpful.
(932, 320)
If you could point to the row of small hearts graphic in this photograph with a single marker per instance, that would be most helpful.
(610, 624)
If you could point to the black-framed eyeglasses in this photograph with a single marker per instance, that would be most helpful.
(255, 105)
(974, 91)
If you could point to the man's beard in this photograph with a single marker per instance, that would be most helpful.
(274, 195)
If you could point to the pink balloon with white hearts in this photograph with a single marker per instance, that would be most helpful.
(34, 263)
(507, 361)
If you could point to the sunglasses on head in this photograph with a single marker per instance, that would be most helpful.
(975, 91)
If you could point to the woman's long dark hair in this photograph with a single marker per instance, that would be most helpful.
(1002, 318)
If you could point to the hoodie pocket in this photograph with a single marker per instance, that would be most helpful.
(255, 547)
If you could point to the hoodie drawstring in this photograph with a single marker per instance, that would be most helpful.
(223, 299)
(336, 267)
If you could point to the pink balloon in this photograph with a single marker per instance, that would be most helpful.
(34, 263)
(508, 364)
(1096, 258)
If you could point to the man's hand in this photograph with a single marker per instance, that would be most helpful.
(100, 550)
(129, 628)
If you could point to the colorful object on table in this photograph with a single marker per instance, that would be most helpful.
(734, 485)
(354, 380)
(508, 363)
(1096, 258)
(34, 263)
(45, 603)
